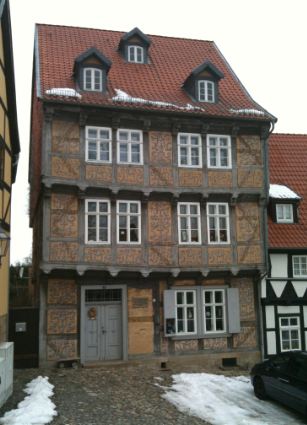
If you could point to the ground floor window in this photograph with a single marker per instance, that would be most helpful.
(185, 312)
(290, 333)
(214, 309)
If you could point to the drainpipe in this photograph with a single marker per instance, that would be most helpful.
(265, 226)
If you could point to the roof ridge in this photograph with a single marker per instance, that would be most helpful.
(122, 32)
(289, 134)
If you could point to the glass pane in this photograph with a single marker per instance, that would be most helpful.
(193, 209)
(180, 326)
(91, 221)
(194, 156)
(134, 234)
(208, 325)
(183, 223)
(123, 155)
(284, 321)
(223, 141)
(295, 345)
(293, 321)
(122, 221)
(134, 207)
(212, 141)
(91, 235)
(191, 327)
(180, 313)
(183, 140)
(208, 297)
(179, 297)
(103, 235)
(134, 222)
(219, 312)
(195, 140)
(139, 54)
(211, 209)
(104, 151)
(212, 223)
(194, 236)
(122, 207)
(135, 136)
(123, 235)
(131, 54)
(223, 236)
(184, 235)
(103, 221)
(294, 334)
(103, 207)
(219, 325)
(224, 157)
(92, 133)
(190, 298)
(91, 206)
(218, 295)
(285, 335)
(222, 209)
(123, 135)
(104, 134)
(213, 161)
(285, 345)
(183, 209)
(222, 221)
(213, 236)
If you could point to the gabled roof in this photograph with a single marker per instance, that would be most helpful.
(287, 162)
(159, 82)
(93, 52)
(135, 32)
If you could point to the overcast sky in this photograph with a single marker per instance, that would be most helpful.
(263, 40)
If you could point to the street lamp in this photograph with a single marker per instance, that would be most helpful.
(4, 243)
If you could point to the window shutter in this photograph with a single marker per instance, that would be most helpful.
(169, 313)
(233, 310)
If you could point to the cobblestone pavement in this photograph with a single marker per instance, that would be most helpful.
(118, 394)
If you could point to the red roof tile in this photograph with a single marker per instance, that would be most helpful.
(288, 166)
(171, 62)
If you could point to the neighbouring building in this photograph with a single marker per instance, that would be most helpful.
(284, 295)
(9, 152)
(149, 187)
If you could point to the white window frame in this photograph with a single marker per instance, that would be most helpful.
(218, 149)
(128, 214)
(281, 208)
(133, 54)
(97, 214)
(213, 306)
(204, 94)
(217, 217)
(129, 143)
(185, 306)
(98, 142)
(188, 216)
(289, 328)
(300, 259)
(92, 87)
(189, 146)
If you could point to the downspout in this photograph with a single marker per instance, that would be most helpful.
(265, 225)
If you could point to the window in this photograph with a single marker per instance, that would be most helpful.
(218, 223)
(290, 333)
(299, 265)
(185, 312)
(97, 221)
(189, 150)
(98, 144)
(206, 91)
(130, 147)
(92, 79)
(219, 151)
(189, 223)
(129, 222)
(284, 213)
(135, 54)
(214, 310)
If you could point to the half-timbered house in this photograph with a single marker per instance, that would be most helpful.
(148, 198)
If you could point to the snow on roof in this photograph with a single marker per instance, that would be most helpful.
(122, 96)
(247, 111)
(64, 92)
(279, 191)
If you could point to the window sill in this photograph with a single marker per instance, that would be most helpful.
(196, 336)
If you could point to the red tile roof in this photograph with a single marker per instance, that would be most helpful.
(171, 60)
(288, 166)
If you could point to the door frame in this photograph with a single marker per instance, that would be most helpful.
(124, 319)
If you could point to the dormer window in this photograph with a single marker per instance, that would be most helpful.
(92, 78)
(135, 54)
(206, 91)
(284, 213)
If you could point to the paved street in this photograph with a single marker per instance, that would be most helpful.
(119, 395)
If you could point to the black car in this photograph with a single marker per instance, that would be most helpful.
(283, 378)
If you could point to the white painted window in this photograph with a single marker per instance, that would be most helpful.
(128, 222)
(189, 150)
(290, 338)
(214, 310)
(92, 78)
(97, 221)
(185, 305)
(206, 91)
(189, 222)
(98, 144)
(218, 151)
(129, 146)
(136, 54)
(284, 213)
(218, 223)
(299, 263)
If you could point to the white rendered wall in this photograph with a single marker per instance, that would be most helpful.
(279, 263)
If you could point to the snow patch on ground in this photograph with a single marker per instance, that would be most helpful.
(222, 400)
(122, 96)
(36, 408)
(278, 191)
(64, 92)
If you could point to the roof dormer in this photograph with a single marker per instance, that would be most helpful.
(283, 205)
(91, 69)
(134, 46)
(202, 83)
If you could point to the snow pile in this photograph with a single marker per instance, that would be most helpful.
(247, 111)
(222, 400)
(36, 408)
(64, 92)
(122, 96)
(278, 191)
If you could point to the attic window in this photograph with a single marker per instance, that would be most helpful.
(284, 213)
(206, 91)
(135, 54)
(92, 78)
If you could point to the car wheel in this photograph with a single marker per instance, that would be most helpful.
(259, 388)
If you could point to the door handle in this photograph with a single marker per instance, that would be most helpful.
(283, 380)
